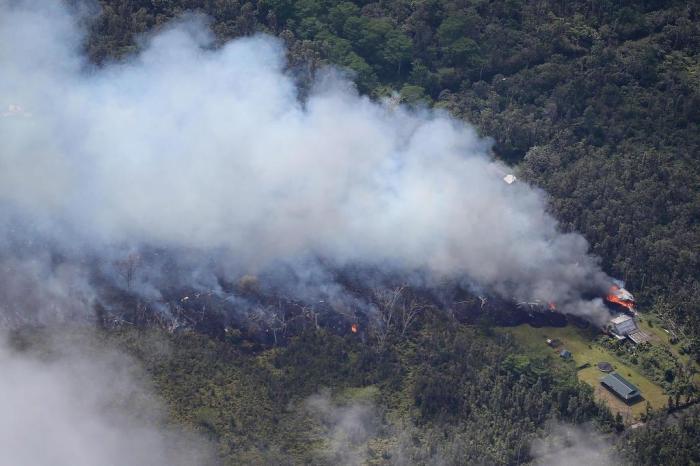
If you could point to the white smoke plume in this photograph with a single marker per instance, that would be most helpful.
(189, 146)
(569, 445)
(344, 429)
(75, 403)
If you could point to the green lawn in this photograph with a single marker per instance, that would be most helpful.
(584, 350)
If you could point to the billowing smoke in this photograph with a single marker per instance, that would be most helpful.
(194, 148)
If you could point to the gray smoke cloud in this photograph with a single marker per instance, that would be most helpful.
(76, 403)
(33, 291)
(210, 149)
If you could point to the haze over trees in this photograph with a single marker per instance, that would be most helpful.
(596, 102)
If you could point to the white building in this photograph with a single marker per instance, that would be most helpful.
(623, 325)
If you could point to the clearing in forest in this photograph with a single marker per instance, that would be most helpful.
(586, 354)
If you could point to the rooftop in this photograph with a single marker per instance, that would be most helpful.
(620, 386)
(639, 337)
(622, 318)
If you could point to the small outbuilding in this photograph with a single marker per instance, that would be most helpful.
(621, 387)
(565, 354)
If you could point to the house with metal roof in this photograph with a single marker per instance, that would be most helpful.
(623, 325)
(620, 387)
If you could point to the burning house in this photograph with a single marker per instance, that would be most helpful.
(624, 325)
(621, 299)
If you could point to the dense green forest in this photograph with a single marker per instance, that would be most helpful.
(596, 102)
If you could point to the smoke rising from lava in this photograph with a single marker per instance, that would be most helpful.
(198, 148)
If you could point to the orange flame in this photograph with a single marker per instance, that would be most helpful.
(353, 328)
(552, 306)
(614, 298)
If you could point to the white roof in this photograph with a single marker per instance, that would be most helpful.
(621, 319)
(624, 294)
(509, 179)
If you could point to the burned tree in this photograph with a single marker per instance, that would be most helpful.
(386, 302)
(127, 267)
(409, 310)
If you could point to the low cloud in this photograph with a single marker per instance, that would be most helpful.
(568, 445)
(344, 429)
(71, 402)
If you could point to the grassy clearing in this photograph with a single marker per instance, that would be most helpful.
(584, 350)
